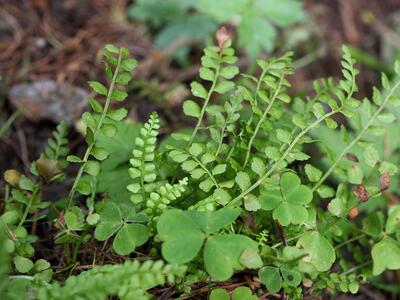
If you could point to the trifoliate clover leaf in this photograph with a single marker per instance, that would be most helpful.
(271, 278)
(288, 201)
(320, 252)
(212, 221)
(222, 254)
(385, 255)
(116, 219)
(129, 237)
(110, 221)
(184, 232)
(182, 236)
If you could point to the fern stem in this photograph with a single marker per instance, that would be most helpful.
(95, 133)
(203, 109)
(258, 87)
(358, 137)
(205, 170)
(235, 201)
(261, 121)
(220, 141)
(28, 206)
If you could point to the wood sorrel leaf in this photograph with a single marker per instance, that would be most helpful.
(320, 251)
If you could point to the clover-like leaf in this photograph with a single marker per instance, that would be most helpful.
(212, 221)
(222, 254)
(320, 252)
(182, 236)
(385, 255)
(271, 278)
(288, 201)
(129, 237)
(110, 221)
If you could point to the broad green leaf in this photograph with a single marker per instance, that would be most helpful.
(287, 202)
(251, 259)
(222, 254)
(219, 294)
(212, 221)
(385, 255)
(243, 293)
(181, 235)
(320, 251)
(271, 278)
(256, 33)
(110, 221)
(291, 276)
(129, 237)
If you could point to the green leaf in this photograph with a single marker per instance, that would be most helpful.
(312, 173)
(98, 87)
(320, 252)
(191, 109)
(117, 114)
(258, 166)
(181, 235)
(219, 294)
(271, 278)
(218, 169)
(291, 276)
(129, 237)
(385, 255)
(96, 106)
(22, 264)
(198, 90)
(251, 259)
(92, 167)
(212, 221)
(243, 293)
(284, 136)
(110, 221)
(393, 220)
(288, 202)
(118, 95)
(355, 174)
(41, 265)
(129, 64)
(256, 33)
(371, 156)
(243, 180)
(222, 254)
(109, 130)
(224, 87)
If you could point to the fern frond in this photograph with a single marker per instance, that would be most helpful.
(129, 280)
(55, 148)
(143, 169)
(159, 200)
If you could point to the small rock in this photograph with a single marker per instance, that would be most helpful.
(45, 100)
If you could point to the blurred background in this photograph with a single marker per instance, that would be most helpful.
(49, 49)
